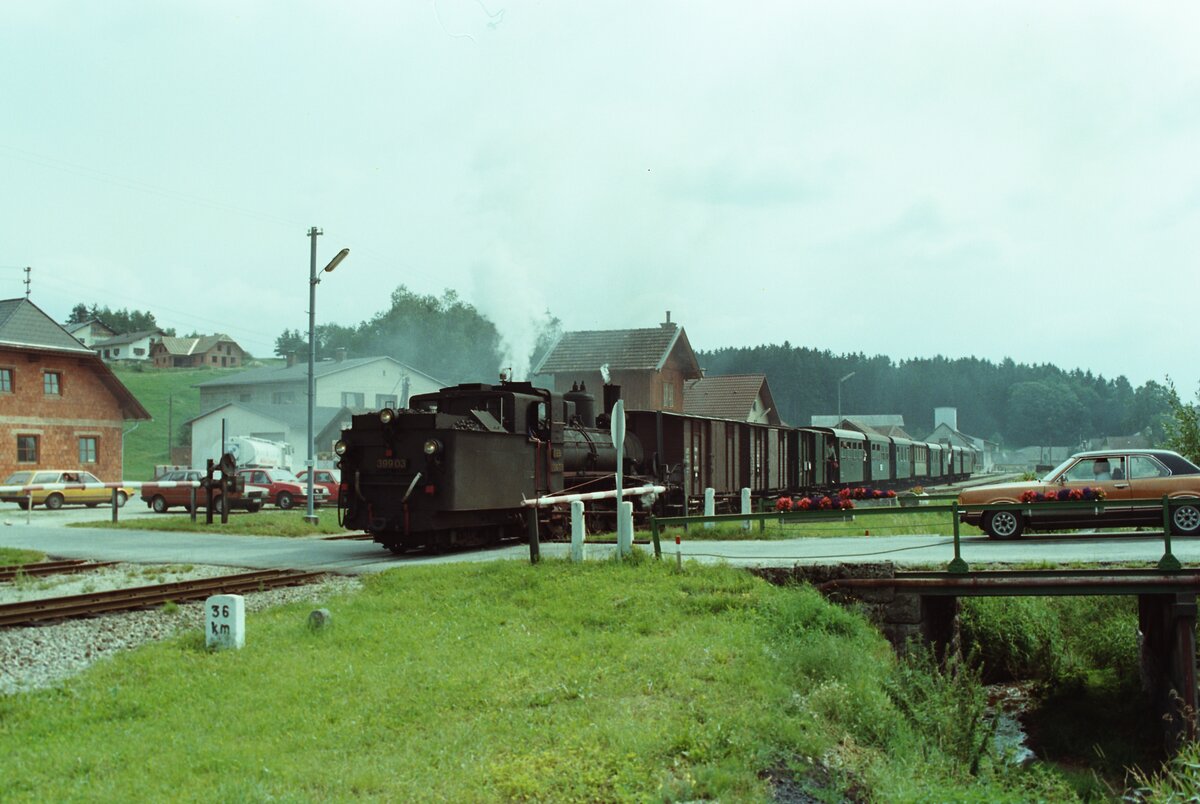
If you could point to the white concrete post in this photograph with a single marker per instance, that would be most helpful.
(746, 508)
(710, 505)
(225, 621)
(577, 533)
(624, 528)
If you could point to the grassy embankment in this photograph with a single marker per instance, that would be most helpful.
(263, 523)
(160, 391)
(503, 681)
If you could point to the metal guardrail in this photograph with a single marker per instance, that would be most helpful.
(957, 566)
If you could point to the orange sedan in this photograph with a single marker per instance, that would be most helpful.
(1140, 476)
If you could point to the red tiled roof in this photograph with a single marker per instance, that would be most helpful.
(727, 397)
(619, 348)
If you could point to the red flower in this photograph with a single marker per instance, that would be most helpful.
(783, 504)
(825, 502)
(848, 504)
(891, 493)
(804, 504)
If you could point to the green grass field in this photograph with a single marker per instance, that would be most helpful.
(160, 391)
(607, 681)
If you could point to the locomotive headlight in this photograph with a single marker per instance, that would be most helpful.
(386, 415)
(340, 447)
(433, 446)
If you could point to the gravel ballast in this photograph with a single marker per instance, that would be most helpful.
(34, 657)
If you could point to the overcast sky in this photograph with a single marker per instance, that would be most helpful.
(991, 179)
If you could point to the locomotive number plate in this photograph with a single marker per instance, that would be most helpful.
(391, 463)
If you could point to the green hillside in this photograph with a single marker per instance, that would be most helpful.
(160, 391)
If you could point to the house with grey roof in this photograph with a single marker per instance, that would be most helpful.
(61, 407)
(272, 402)
(651, 365)
(745, 397)
(213, 351)
(131, 346)
(362, 383)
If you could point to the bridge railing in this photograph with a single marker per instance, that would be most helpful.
(953, 509)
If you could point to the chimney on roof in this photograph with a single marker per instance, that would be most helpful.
(291, 358)
(339, 354)
(667, 324)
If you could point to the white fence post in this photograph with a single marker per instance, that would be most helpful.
(710, 505)
(746, 508)
(624, 528)
(577, 532)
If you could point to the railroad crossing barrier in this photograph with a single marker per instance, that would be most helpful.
(957, 565)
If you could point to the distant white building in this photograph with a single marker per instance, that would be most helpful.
(945, 431)
(131, 346)
(364, 383)
(272, 403)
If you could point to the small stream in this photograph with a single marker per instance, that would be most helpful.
(1006, 704)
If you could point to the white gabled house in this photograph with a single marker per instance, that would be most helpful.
(271, 403)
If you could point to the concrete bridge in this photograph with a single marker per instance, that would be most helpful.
(924, 606)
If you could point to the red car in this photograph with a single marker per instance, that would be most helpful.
(330, 479)
(283, 488)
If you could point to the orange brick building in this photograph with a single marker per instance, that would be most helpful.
(61, 407)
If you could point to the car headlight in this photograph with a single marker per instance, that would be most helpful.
(433, 446)
(386, 415)
(340, 447)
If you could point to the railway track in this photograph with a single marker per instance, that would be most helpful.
(32, 612)
(10, 572)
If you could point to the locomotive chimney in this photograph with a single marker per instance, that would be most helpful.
(611, 394)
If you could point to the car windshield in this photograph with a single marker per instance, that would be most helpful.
(283, 474)
(1056, 471)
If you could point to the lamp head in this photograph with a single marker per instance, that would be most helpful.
(341, 255)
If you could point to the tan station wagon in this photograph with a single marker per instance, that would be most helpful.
(1134, 475)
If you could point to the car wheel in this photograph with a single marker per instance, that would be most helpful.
(54, 502)
(285, 500)
(158, 505)
(1003, 524)
(253, 508)
(1185, 520)
(122, 497)
(23, 505)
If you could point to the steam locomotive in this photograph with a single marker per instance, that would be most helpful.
(457, 467)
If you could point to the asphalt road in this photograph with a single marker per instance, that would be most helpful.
(46, 531)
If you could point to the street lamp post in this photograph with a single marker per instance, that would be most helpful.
(839, 409)
(313, 281)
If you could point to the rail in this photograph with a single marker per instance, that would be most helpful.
(30, 612)
(957, 565)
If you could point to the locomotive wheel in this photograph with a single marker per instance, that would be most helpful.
(1185, 520)
(1003, 524)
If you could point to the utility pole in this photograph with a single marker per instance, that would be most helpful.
(28, 280)
(170, 411)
